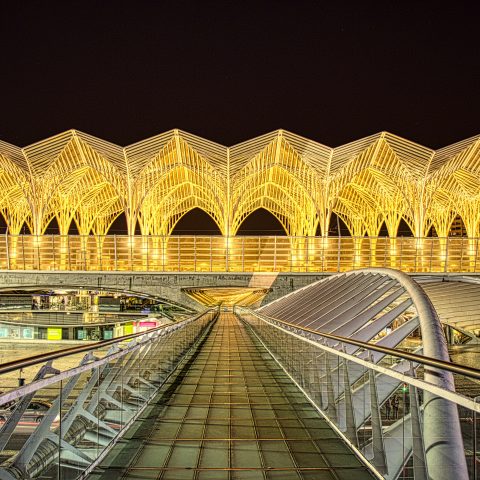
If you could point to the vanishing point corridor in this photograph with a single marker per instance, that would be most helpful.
(230, 412)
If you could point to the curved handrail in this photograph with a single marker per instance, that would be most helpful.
(424, 360)
(442, 433)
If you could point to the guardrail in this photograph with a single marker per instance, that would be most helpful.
(72, 318)
(237, 254)
(385, 402)
(76, 409)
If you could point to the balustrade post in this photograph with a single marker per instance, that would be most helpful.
(68, 252)
(115, 265)
(385, 251)
(164, 252)
(227, 254)
(431, 253)
(417, 240)
(339, 247)
(210, 253)
(306, 243)
(259, 249)
(7, 250)
(194, 253)
(476, 253)
(53, 251)
(84, 240)
(243, 254)
(322, 253)
(178, 253)
(37, 264)
(446, 255)
(275, 253)
(461, 255)
(401, 252)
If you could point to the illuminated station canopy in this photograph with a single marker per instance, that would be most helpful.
(370, 183)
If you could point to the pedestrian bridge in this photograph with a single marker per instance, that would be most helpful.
(294, 390)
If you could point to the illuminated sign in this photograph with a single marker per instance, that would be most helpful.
(54, 333)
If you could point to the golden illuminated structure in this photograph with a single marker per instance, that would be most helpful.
(227, 296)
(374, 181)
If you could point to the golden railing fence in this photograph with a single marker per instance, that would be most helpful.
(236, 254)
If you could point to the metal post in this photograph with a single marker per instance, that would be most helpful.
(431, 254)
(243, 254)
(446, 255)
(306, 240)
(258, 252)
(351, 431)
(379, 457)
(210, 253)
(68, 252)
(474, 446)
(461, 255)
(101, 251)
(194, 253)
(416, 253)
(275, 253)
(53, 252)
(401, 252)
(322, 252)
(369, 249)
(130, 252)
(84, 240)
(115, 266)
(339, 246)
(146, 239)
(418, 447)
(331, 407)
(6, 249)
(59, 464)
(385, 250)
(178, 253)
(227, 253)
(23, 251)
(476, 253)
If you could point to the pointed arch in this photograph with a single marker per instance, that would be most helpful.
(196, 221)
(404, 229)
(261, 222)
(457, 227)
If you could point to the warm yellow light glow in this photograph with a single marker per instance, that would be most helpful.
(372, 184)
(76, 178)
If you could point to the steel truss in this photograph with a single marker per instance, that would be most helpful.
(375, 181)
(95, 402)
(336, 338)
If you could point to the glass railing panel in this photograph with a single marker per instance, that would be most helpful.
(68, 411)
(386, 405)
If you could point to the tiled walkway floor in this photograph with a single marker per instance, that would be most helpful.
(231, 413)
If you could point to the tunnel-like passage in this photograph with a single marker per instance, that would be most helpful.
(231, 412)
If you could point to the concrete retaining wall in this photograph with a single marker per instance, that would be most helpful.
(166, 285)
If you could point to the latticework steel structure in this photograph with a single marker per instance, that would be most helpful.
(379, 179)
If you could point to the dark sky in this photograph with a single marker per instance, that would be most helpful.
(330, 71)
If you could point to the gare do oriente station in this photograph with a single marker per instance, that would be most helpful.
(371, 187)
(297, 388)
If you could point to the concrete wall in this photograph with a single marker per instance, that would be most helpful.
(166, 285)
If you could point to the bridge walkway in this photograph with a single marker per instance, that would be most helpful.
(230, 413)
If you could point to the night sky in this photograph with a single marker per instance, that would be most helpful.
(230, 71)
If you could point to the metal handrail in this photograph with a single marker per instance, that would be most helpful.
(64, 352)
(452, 367)
(212, 253)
